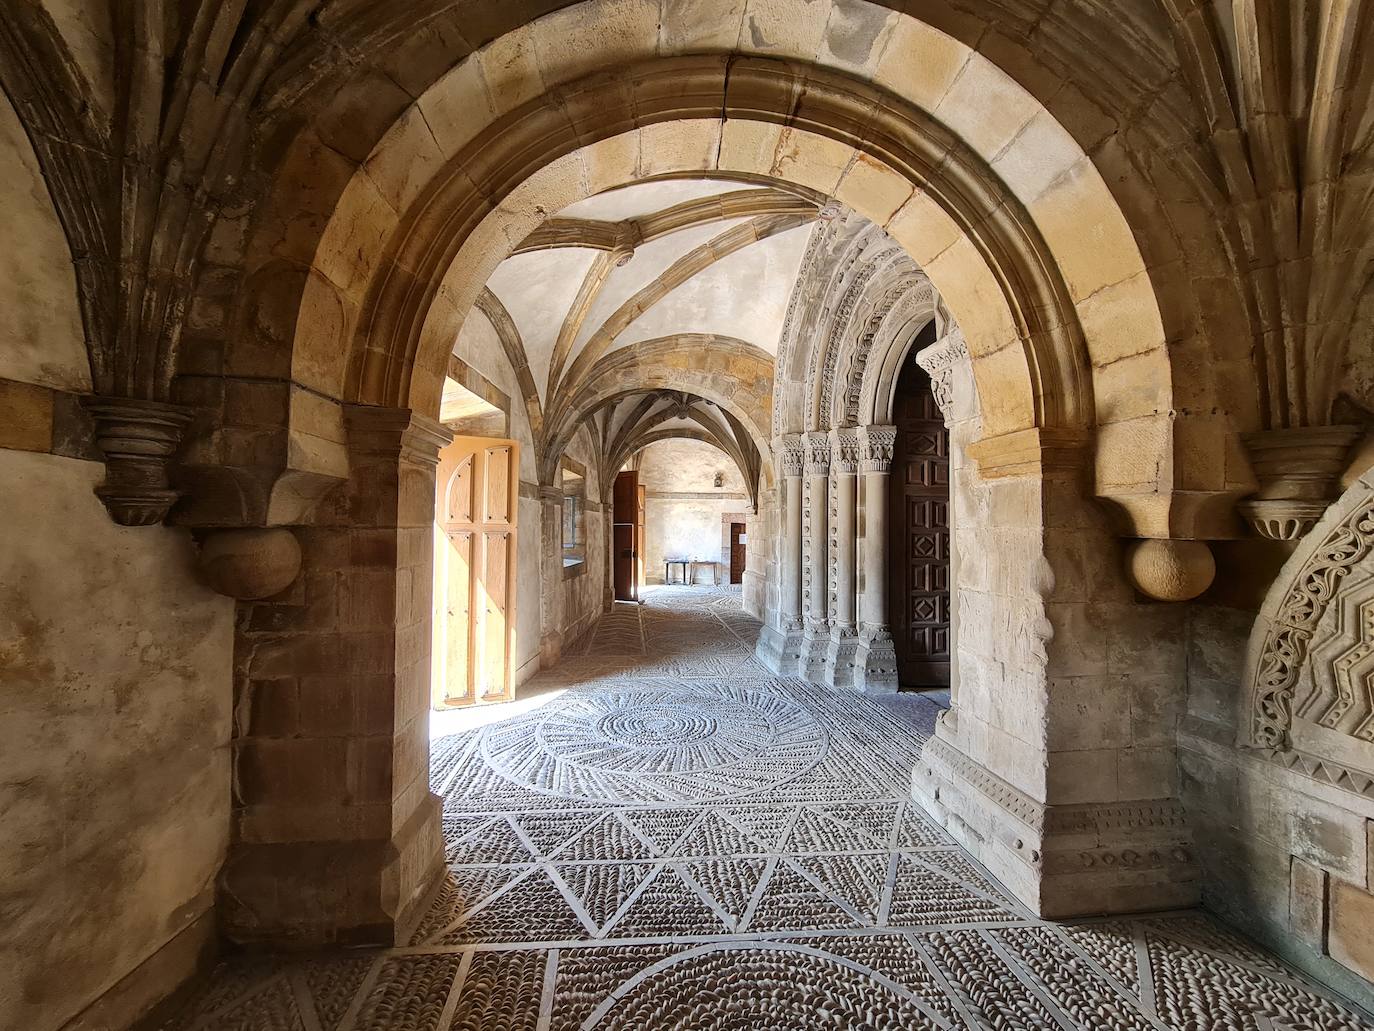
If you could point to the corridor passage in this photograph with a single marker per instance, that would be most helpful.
(667, 837)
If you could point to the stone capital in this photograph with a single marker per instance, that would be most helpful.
(875, 448)
(845, 451)
(818, 451)
(792, 452)
(939, 360)
(1033, 452)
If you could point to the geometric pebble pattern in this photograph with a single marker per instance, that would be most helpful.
(679, 839)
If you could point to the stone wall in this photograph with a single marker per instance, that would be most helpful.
(114, 680)
(1285, 827)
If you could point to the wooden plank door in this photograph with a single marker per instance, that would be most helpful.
(474, 572)
(641, 545)
(737, 542)
(919, 593)
(624, 535)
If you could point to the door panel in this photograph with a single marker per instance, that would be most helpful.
(919, 597)
(626, 534)
(474, 576)
(736, 553)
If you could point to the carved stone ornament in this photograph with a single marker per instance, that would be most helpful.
(845, 457)
(138, 440)
(1171, 570)
(1291, 628)
(249, 564)
(818, 454)
(939, 360)
(1297, 470)
(875, 448)
(793, 454)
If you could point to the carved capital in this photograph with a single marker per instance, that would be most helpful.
(875, 448)
(138, 440)
(818, 451)
(845, 451)
(939, 360)
(792, 451)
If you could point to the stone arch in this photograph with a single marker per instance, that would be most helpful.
(740, 384)
(849, 158)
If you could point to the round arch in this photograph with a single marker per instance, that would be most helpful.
(965, 210)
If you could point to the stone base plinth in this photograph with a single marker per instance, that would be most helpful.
(1061, 861)
(876, 664)
(781, 650)
(814, 645)
(841, 658)
(354, 891)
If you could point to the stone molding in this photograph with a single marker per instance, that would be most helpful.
(792, 450)
(1031, 453)
(1289, 621)
(877, 444)
(818, 454)
(373, 429)
(939, 360)
(845, 452)
(139, 440)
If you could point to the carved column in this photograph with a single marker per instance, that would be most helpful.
(876, 659)
(815, 535)
(337, 837)
(844, 633)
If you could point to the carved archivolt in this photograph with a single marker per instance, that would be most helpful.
(1312, 650)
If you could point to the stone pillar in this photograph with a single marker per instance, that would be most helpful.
(876, 659)
(816, 554)
(780, 646)
(336, 837)
(550, 575)
(844, 633)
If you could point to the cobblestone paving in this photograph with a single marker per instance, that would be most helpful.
(667, 836)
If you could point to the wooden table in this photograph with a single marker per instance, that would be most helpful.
(689, 568)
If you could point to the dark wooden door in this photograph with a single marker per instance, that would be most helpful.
(624, 531)
(737, 540)
(919, 517)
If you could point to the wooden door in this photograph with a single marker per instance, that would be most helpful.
(474, 572)
(624, 533)
(737, 541)
(919, 517)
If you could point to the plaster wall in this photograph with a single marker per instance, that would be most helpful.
(115, 701)
(115, 668)
(684, 509)
(40, 335)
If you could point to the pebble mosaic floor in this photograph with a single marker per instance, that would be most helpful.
(667, 836)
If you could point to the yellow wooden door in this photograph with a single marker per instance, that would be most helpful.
(474, 572)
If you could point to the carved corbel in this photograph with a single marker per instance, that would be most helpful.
(1298, 471)
(139, 440)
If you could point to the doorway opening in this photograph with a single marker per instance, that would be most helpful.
(919, 598)
(627, 536)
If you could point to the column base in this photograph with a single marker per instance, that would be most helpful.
(841, 657)
(814, 644)
(351, 892)
(780, 650)
(1061, 861)
(876, 662)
